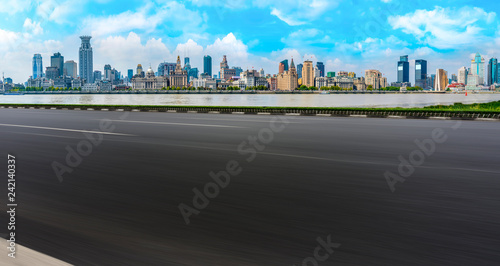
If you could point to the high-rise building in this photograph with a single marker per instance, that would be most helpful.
(223, 67)
(441, 80)
(262, 73)
(285, 64)
(130, 74)
(421, 73)
(207, 65)
(321, 68)
(330, 74)
(107, 72)
(57, 60)
(403, 69)
(70, 69)
(462, 75)
(477, 68)
(375, 79)
(86, 60)
(37, 66)
(308, 74)
(454, 78)
(97, 75)
(299, 70)
(493, 71)
(186, 61)
(288, 80)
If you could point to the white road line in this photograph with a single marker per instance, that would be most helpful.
(175, 124)
(67, 129)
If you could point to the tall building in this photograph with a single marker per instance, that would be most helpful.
(308, 74)
(321, 68)
(288, 80)
(164, 68)
(281, 68)
(316, 72)
(285, 64)
(86, 60)
(57, 60)
(299, 70)
(52, 72)
(441, 80)
(462, 75)
(70, 69)
(130, 74)
(97, 75)
(223, 66)
(477, 68)
(107, 72)
(421, 73)
(37, 66)
(207, 65)
(375, 79)
(186, 61)
(493, 71)
(178, 77)
(403, 69)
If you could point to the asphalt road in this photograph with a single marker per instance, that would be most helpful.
(309, 178)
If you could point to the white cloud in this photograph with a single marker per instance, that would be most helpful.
(33, 27)
(445, 28)
(13, 7)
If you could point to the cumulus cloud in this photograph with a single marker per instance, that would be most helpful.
(33, 27)
(445, 28)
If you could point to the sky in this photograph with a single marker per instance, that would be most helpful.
(346, 35)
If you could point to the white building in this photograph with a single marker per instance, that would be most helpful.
(462, 75)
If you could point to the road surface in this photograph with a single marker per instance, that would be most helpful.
(295, 179)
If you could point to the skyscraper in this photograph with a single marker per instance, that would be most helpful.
(107, 72)
(441, 80)
(308, 74)
(299, 70)
(57, 60)
(207, 65)
(186, 61)
(421, 73)
(462, 75)
(321, 68)
(493, 71)
(37, 66)
(130, 74)
(285, 64)
(477, 68)
(70, 69)
(97, 75)
(139, 71)
(403, 69)
(86, 60)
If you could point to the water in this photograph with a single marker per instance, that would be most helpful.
(291, 100)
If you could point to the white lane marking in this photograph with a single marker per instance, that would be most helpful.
(175, 124)
(67, 129)
(44, 135)
(235, 120)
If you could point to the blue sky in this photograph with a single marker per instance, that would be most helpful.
(347, 35)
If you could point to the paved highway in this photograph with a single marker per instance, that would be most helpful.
(118, 188)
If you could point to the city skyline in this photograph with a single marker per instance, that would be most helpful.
(344, 35)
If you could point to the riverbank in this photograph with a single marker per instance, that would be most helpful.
(484, 111)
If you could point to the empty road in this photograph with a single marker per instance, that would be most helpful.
(117, 188)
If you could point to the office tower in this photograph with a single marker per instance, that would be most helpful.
(97, 75)
(403, 69)
(321, 68)
(237, 71)
(86, 60)
(477, 68)
(57, 60)
(308, 74)
(130, 74)
(421, 73)
(462, 75)
(186, 61)
(70, 69)
(37, 66)
(493, 71)
(454, 78)
(283, 66)
(107, 72)
(207, 65)
(330, 74)
(262, 73)
(441, 80)
(316, 72)
(299, 70)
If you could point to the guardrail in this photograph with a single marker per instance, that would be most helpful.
(301, 111)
